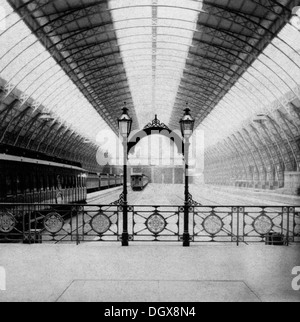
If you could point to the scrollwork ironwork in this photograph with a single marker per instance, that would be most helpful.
(192, 202)
(213, 224)
(100, 223)
(53, 223)
(7, 222)
(263, 224)
(156, 123)
(156, 223)
(119, 202)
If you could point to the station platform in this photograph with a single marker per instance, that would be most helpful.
(148, 273)
(208, 195)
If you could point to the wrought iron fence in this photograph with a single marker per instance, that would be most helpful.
(59, 223)
(40, 223)
(246, 224)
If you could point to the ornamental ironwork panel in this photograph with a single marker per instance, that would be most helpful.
(11, 224)
(155, 223)
(263, 224)
(53, 223)
(7, 222)
(101, 223)
(259, 223)
(157, 124)
(213, 224)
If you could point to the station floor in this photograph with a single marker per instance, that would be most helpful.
(149, 273)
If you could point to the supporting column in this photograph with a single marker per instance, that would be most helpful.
(186, 234)
(125, 235)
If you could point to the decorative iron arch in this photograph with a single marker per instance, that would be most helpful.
(156, 127)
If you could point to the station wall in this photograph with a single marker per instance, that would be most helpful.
(264, 154)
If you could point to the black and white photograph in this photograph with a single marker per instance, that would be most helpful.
(149, 154)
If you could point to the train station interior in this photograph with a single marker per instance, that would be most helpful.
(131, 128)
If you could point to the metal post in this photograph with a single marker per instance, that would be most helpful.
(238, 226)
(125, 236)
(186, 234)
(77, 226)
(288, 227)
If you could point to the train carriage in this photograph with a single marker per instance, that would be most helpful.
(139, 181)
(97, 182)
(93, 182)
(29, 177)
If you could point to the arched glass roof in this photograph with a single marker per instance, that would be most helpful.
(155, 37)
(79, 60)
(27, 66)
(270, 83)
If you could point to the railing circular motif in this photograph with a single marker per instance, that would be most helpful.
(263, 225)
(100, 223)
(53, 223)
(156, 224)
(213, 224)
(7, 222)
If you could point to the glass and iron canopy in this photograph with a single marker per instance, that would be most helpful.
(66, 66)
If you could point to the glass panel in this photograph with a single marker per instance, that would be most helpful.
(154, 45)
(123, 128)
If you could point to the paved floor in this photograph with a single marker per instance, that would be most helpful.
(148, 273)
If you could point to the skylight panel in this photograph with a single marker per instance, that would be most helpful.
(155, 62)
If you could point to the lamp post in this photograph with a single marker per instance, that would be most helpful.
(125, 124)
(187, 124)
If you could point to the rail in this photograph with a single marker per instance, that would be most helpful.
(41, 223)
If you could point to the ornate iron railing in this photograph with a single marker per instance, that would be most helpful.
(246, 224)
(59, 223)
(40, 223)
